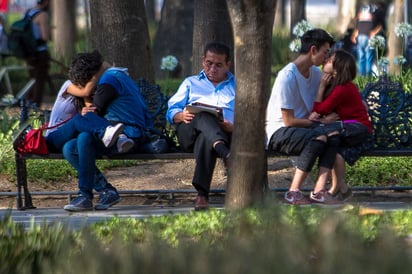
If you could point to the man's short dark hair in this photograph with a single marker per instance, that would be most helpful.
(84, 66)
(315, 37)
(218, 48)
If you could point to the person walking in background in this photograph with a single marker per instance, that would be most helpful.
(40, 62)
(370, 21)
(203, 133)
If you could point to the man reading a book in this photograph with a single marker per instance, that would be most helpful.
(202, 131)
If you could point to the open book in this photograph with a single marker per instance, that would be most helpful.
(199, 107)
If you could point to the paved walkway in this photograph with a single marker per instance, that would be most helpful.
(40, 216)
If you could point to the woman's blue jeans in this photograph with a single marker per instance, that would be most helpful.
(90, 122)
(81, 154)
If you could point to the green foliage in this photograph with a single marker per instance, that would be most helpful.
(169, 86)
(277, 239)
(380, 171)
(8, 125)
(281, 54)
(34, 249)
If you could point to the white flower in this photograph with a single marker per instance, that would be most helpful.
(399, 60)
(403, 30)
(377, 41)
(301, 27)
(383, 61)
(169, 63)
(295, 45)
(298, 30)
(7, 99)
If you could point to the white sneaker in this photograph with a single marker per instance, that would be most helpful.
(111, 133)
(124, 144)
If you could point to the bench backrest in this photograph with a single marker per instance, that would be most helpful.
(156, 102)
(390, 109)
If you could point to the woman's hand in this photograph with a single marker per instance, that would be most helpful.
(325, 80)
(88, 109)
(314, 116)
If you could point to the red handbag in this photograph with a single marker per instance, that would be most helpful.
(34, 141)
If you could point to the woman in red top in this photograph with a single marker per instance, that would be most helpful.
(337, 93)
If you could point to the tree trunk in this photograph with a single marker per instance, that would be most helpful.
(174, 36)
(395, 44)
(150, 11)
(280, 14)
(119, 31)
(252, 24)
(346, 15)
(63, 29)
(297, 13)
(211, 23)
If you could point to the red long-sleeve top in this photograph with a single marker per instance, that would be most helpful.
(346, 101)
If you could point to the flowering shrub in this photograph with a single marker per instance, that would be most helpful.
(399, 60)
(169, 63)
(377, 42)
(403, 30)
(295, 45)
(301, 27)
(298, 30)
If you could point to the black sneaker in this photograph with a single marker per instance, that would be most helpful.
(107, 198)
(81, 203)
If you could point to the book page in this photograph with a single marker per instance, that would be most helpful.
(217, 111)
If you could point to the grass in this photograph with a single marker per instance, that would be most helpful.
(274, 239)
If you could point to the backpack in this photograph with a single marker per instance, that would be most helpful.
(21, 41)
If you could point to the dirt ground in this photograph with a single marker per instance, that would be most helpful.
(154, 178)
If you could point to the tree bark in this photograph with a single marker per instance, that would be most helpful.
(395, 44)
(63, 29)
(174, 36)
(252, 24)
(346, 15)
(211, 23)
(119, 31)
(280, 14)
(150, 11)
(297, 13)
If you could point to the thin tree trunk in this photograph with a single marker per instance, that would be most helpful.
(395, 44)
(280, 14)
(297, 13)
(63, 29)
(346, 15)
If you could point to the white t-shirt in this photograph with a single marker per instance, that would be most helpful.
(63, 108)
(291, 91)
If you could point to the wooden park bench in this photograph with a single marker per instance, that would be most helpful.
(389, 108)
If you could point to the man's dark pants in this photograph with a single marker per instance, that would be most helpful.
(198, 137)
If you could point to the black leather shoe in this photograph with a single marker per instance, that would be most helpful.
(201, 203)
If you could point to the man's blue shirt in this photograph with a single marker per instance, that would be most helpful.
(198, 88)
